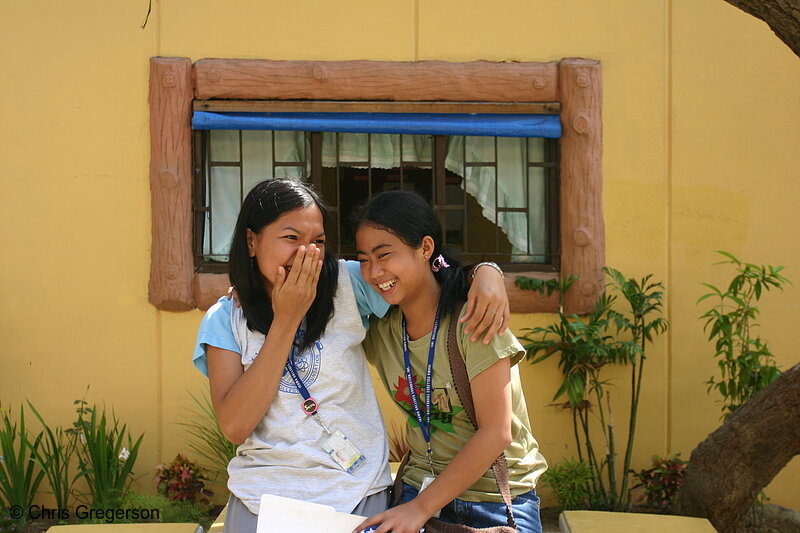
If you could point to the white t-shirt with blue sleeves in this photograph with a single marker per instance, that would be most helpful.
(215, 328)
(285, 455)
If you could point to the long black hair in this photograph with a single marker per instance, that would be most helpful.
(263, 205)
(410, 217)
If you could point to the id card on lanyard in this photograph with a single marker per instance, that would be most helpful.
(337, 445)
(424, 425)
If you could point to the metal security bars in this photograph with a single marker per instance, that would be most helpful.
(497, 198)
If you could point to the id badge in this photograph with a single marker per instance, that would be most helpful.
(426, 482)
(343, 452)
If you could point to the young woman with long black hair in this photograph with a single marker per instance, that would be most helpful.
(449, 465)
(288, 377)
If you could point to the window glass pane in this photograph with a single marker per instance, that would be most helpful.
(353, 147)
(454, 160)
(417, 149)
(479, 149)
(330, 188)
(418, 180)
(384, 150)
(480, 230)
(536, 150)
(537, 213)
(225, 203)
(454, 228)
(290, 146)
(480, 184)
(256, 157)
(224, 145)
(511, 167)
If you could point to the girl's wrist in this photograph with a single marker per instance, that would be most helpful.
(491, 264)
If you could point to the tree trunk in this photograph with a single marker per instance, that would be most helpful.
(729, 468)
(783, 16)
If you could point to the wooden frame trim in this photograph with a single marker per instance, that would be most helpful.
(572, 87)
(329, 106)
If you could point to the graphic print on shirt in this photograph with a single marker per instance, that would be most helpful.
(442, 409)
(307, 364)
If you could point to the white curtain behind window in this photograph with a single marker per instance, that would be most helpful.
(527, 234)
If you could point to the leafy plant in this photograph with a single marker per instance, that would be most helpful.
(54, 457)
(585, 346)
(206, 437)
(745, 361)
(547, 287)
(186, 511)
(8, 524)
(644, 298)
(661, 481)
(145, 500)
(106, 456)
(20, 476)
(181, 480)
(570, 481)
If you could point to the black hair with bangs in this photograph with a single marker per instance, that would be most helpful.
(410, 217)
(264, 204)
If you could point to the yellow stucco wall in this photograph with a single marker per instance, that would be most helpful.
(700, 118)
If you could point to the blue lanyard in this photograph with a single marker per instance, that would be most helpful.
(425, 426)
(309, 405)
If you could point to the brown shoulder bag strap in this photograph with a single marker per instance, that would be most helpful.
(464, 391)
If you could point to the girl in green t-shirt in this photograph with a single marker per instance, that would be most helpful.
(399, 242)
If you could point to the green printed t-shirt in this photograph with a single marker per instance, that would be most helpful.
(450, 425)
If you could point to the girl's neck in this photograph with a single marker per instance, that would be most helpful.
(420, 312)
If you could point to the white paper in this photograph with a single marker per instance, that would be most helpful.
(286, 515)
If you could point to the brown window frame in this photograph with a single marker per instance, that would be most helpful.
(573, 86)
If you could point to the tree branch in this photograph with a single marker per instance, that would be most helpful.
(783, 16)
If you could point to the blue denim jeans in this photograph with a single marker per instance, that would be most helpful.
(489, 514)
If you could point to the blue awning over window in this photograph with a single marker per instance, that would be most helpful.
(500, 125)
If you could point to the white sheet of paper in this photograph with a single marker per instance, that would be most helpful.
(282, 515)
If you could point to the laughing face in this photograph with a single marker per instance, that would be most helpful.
(277, 243)
(396, 270)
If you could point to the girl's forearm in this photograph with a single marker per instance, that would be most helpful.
(467, 467)
(243, 406)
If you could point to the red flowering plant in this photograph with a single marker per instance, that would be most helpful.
(662, 481)
(182, 480)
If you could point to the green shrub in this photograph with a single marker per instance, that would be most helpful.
(569, 479)
(20, 476)
(745, 361)
(106, 455)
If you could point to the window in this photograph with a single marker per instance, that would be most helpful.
(497, 196)
(572, 88)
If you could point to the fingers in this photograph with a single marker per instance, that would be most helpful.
(483, 323)
(469, 311)
(481, 319)
(310, 265)
(297, 265)
(371, 521)
(498, 319)
(280, 279)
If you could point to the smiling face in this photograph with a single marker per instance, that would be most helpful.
(397, 271)
(277, 243)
